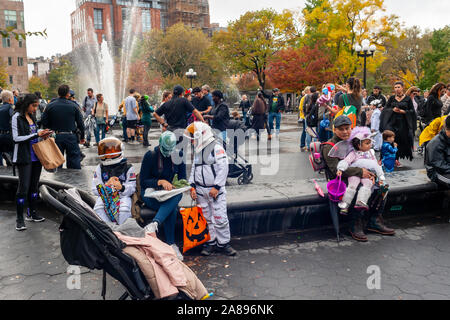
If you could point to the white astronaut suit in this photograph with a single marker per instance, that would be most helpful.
(210, 170)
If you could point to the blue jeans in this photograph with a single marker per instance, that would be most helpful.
(167, 215)
(303, 137)
(102, 128)
(277, 116)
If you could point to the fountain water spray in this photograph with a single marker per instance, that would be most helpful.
(96, 64)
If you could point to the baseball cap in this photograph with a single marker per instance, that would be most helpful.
(342, 121)
(178, 90)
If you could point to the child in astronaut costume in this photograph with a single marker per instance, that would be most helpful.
(359, 155)
(116, 173)
(208, 177)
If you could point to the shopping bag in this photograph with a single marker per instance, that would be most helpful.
(195, 228)
(48, 154)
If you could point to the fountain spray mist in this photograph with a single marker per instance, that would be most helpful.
(96, 64)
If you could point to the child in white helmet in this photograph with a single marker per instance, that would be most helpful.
(114, 183)
(208, 177)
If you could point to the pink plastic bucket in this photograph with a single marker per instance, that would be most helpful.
(336, 189)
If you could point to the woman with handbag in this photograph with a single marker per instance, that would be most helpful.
(100, 112)
(25, 133)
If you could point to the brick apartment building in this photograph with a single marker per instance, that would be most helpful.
(95, 20)
(13, 53)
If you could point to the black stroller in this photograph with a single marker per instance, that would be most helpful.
(239, 167)
(86, 241)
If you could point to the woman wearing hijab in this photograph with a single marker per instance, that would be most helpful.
(399, 116)
(157, 172)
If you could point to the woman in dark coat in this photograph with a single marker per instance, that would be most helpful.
(399, 116)
(433, 106)
(259, 110)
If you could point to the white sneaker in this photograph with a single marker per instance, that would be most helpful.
(152, 227)
(177, 251)
(343, 205)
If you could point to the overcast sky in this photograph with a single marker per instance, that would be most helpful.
(54, 15)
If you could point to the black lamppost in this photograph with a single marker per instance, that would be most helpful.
(365, 50)
(191, 75)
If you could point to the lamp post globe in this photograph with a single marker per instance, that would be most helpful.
(191, 74)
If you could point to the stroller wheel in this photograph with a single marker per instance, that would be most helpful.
(241, 180)
(249, 178)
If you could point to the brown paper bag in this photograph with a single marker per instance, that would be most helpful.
(49, 154)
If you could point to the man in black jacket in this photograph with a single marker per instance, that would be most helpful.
(276, 107)
(6, 112)
(377, 95)
(437, 159)
(64, 117)
(175, 111)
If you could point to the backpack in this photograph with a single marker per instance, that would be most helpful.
(311, 118)
(349, 111)
(315, 158)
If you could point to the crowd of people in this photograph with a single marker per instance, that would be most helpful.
(361, 125)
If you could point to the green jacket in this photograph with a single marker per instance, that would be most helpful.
(147, 111)
(332, 163)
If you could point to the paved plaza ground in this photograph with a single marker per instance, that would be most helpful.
(415, 264)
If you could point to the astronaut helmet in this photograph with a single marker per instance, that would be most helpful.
(201, 134)
(110, 151)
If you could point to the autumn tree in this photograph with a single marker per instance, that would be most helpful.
(3, 75)
(433, 60)
(249, 42)
(36, 84)
(341, 24)
(63, 74)
(142, 79)
(18, 35)
(404, 55)
(173, 52)
(294, 69)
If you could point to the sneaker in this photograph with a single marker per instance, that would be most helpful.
(208, 250)
(87, 144)
(227, 250)
(177, 251)
(34, 217)
(152, 227)
(20, 226)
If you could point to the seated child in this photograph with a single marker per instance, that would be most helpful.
(388, 151)
(361, 155)
(114, 183)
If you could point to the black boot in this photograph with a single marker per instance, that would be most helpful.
(357, 231)
(376, 224)
(31, 212)
(20, 223)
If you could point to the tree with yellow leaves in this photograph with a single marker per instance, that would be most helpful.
(250, 42)
(345, 23)
(3, 75)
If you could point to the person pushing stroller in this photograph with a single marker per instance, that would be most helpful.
(208, 177)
